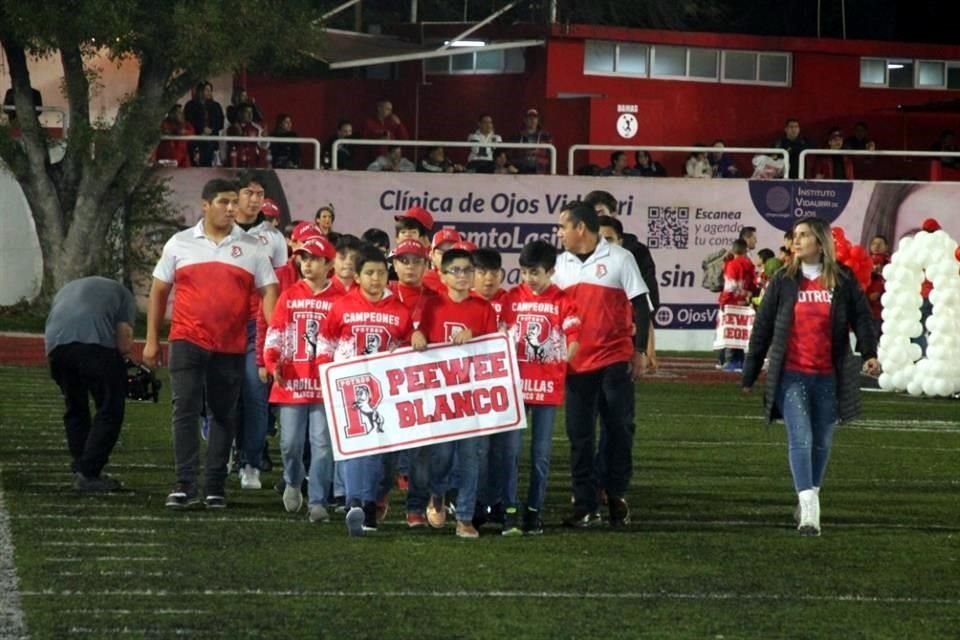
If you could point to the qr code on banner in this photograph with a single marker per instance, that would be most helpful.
(668, 227)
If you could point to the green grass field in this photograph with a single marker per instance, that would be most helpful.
(712, 552)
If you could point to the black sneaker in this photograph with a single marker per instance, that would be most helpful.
(511, 522)
(532, 524)
(98, 484)
(583, 520)
(339, 504)
(619, 512)
(369, 516)
(183, 496)
(216, 502)
(481, 514)
(496, 513)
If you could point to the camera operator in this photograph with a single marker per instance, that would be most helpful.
(88, 334)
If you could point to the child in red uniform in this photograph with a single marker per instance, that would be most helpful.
(290, 357)
(345, 273)
(880, 256)
(543, 322)
(739, 281)
(443, 241)
(410, 263)
(455, 316)
(368, 319)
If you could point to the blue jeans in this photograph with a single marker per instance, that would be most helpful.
(541, 443)
(808, 403)
(503, 467)
(417, 463)
(254, 407)
(467, 453)
(296, 420)
(361, 478)
(339, 483)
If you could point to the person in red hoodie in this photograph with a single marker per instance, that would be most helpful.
(368, 319)
(543, 322)
(739, 282)
(290, 357)
(443, 241)
(455, 316)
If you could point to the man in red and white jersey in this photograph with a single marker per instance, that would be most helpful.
(254, 410)
(599, 276)
(214, 267)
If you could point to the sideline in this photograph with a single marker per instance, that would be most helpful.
(12, 623)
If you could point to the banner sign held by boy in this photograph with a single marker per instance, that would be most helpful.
(392, 401)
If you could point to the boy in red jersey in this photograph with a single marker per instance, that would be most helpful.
(290, 356)
(344, 269)
(368, 319)
(739, 282)
(488, 278)
(455, 316)
(443, 241)
(543, 322)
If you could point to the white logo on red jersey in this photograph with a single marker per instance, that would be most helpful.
(534, 333)
(370, 338)
(451, 329)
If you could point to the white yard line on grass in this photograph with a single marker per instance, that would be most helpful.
(141, 532)
(99, 545)
(12, 622)
(111, 559)
(535, 595)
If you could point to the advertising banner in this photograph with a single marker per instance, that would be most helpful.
(397, 400)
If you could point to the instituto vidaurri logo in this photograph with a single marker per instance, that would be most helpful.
(783, 203)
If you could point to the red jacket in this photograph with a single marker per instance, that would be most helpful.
(413, 298)
(291, 343)
(287, 275)
(432, 281)
(739, 280)
(542, 327)
(356, 326)
(443, 318)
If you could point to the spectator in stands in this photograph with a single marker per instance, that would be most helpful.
(834, 167)
(647, 167)
(285, 155)
(238, 101)
(205, 115)
(533, 160)
(438, 162)
(793, 143)
(501, 163)
(697, 165)
(8, 101)
(722, 166)
(386, 125)
(880, 256)
(176, 150)
(324, 219)
(392, 160)
(860, 138)
(346, 158)
(947, 142)
(619, 165)
(480, 159)
(245, 154)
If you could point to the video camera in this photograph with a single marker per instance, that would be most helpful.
(142, 384)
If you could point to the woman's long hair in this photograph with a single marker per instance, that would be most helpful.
(828, 254)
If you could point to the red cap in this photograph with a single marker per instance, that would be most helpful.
(410, 247)
(419, 214)
(445, 235)
(532, 112)
(270, 208)
(304, 231)
(466, 245)
(319, 247)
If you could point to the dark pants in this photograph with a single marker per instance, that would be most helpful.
(83, 371)
(607, 392)
(191, 370)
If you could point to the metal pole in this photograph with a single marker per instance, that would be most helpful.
(336, 10)
(818, 18)
(482, 23)
(553, 12)
(413, 11)
(843, 17)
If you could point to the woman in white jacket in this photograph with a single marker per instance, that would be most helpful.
(480, 159)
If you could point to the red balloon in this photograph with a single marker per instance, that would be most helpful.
(857, 253)
(930, 225)
(956, 254)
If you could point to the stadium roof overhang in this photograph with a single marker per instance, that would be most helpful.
(350, 49)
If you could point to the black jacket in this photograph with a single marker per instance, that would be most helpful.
(771, 331)
(648, 269)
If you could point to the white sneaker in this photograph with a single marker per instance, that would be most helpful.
(318, 513)
(796, 509)
(354, 521)
(249, 477)
(292, 499)
(809, 513)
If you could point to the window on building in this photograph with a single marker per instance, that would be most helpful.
(900, 74)
(481, 61)
(739, 66)
(931, 74)
(756, 67)
(873, 72)
(600, 56)
(703, 63)
(953, 75)
(669, 62)
(632, 59)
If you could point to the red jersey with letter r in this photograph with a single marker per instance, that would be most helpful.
(598, 287)
(212, 285)
(541, 327)
(809, 346)
(291, 342)
(444, 318)
(357, 326)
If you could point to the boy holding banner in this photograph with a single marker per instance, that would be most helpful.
(368, 319)
(739, 283)
(290, 357)
(543, 322)
(455, 316)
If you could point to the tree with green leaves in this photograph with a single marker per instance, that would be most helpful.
(176, 44)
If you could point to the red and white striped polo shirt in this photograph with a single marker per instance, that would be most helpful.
(212, 286)
(599, 286)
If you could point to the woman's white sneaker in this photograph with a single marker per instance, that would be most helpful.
(809, 513)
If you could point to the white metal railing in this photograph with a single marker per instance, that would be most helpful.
(607, 147)
(850, 152)
(443, 143)
(255, 140)
(64, 122)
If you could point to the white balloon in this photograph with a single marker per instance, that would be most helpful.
(915, 388)
(929, 386)
(885, 381)
(914, 351)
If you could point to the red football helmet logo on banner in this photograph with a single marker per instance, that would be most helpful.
(361, 395)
